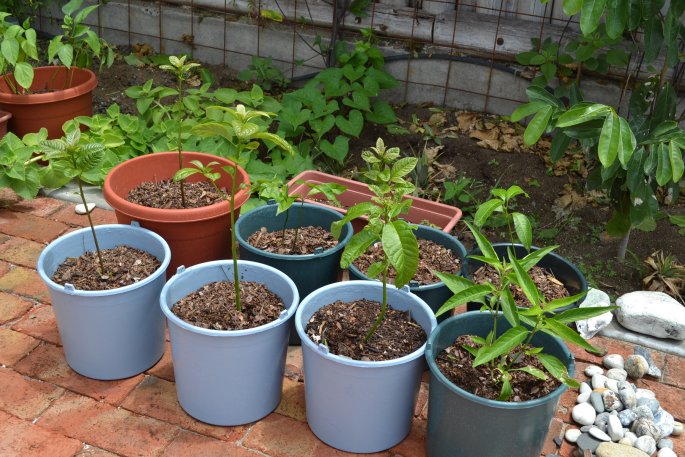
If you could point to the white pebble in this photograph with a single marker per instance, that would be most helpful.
(666, 452)
(614, 428)
(592, 370)
(600, 435)
(619, 374)
(677, 429)
(599, 381)
(584, 397)
(585, 387)
(572, 435)
(613, 361)
(81, 209)
(584, 414)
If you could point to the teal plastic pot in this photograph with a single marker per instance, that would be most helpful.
(309, 272)
(353, 405)
(435, 294)
(108, 334)
(563, 270)
(461, 424)
(229, 377)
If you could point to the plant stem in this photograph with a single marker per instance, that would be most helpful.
(384, 304)
(234, 249)
(92, 227)
(10, 84)
(180, 140)
(623, 246)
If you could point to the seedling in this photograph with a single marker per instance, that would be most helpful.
(243, 135)
(386, 176)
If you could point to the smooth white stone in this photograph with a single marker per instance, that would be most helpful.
(613, 361)
(583, 398)
(584, 414)
(599, 381)
(612, 385)
(590, 327)
(646, 443)
(592, 370)
(652, 313)
(572, 435)
(600, 435)
(81, 209)
(644, 393)
(666, 452)
(677, 429)
(614, 428)
(584, 387)
(618, 374)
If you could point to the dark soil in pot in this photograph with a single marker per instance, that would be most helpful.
(545, 280)
(343, 328)
(123, 266)
(213, 306)
(166, 194)
(432, 257)
(300, 241)
(455, 362)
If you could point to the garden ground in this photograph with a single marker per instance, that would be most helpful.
(46, 409)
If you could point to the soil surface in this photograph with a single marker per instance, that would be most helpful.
(343, 327)
(549, 285)
(488, 152)
(301, 241)
(123, 266)
(213, 306)
(166, 194)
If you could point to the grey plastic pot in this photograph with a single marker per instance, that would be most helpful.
(108, 334)
(309, 272)
(228, 377)
(461, 424)
(563, 270)
(360, 406)
(436, 294)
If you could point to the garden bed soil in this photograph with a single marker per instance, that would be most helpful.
(545, 280)
(309, 240)
(213, 306)
(166, 194)
(123, 265)
(490, 152)
(343, 326)
(432, 257)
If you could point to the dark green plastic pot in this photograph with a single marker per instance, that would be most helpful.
(435, 294)
(563, 270)
(308, 272)
(461, 424)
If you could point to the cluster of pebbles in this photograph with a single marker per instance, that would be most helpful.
(617, 418)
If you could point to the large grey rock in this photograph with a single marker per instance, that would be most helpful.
(590, 327)
(652, 313)
(618, 450)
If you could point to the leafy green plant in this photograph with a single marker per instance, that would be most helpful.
(463, 191)
(245, 135)
(502, 352)
(678, 221)
(18, 48)
(387, 177)
(262, 72)
(17, 171)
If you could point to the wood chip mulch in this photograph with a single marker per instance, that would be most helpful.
(166, 194)
(124, 266)
(343, 326)
(309, 239)
(455, 363)
(213, 306)
(432, 257)
(548, 284)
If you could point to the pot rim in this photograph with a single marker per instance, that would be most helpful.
(172, 318)
(161, 270)
(50, 97)
(294, 257)
(181, 215)
(306, 341)
(440, 377)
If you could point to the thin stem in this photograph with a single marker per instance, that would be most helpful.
(623, 246)
(384, 304)
(10, 84)
(234, 249)
(285, 224)
(92, 227)
(180, 139)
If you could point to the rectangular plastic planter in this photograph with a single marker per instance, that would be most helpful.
(422, 211)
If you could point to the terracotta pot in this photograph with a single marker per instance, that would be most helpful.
(4, 119)
(422, 211)
(195, 235)
(52, 102)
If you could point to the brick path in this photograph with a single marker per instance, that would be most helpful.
(46, 409)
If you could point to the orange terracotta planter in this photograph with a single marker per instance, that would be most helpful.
(4, 120)
(195, 235)
(52, 102)
(422, 211)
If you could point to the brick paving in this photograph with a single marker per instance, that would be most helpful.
(46, 409)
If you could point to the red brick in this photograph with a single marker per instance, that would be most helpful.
(678, 444)
(12, 307)
(292, 400)
(8, 197)
(24, 397)
(107, 427)
(22, 281)
(566, 449)
(604, 344)
(670, 398)
(100, 216)
(413, 445)
(20, 251)
(293, 364)
(421, 408)
(22, 438)
(14, 346)
(280, 436)
(47, 363)
(156, 398)
(165, 367)
(556, 429)
(29, 226)
(566, 403)
(674, 371)
(4, 268)
(92, 451)
(40, 323)
(41, 206)
(189, 444)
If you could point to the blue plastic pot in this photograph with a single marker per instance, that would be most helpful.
(563, 270)
(108, 334)
(436, 294)
(353, 405)
(461, 424)
(229, 377)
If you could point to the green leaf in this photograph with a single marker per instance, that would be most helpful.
(358, 245)
(616, 18)
(523, 228)
(676, 159)
(572, 7)
(510, 339)
(483, 244)
(525, 282)
(376, 269)
(562, 331)
(581, 113)
(590, 14)
(509, 307)
(609, 140)
(401, 247)
(10, 50)
(403, 167)
(537, 125)
(352, 125)
(525, 110)
(271, 15)
(66, 54)
(470, 294)
(579, 314)
(664, 173)
(553, 365)
(654, 38)
(23, 74)
(560, 143)
(627, 143)
(506, 391)
(485, 210)
(533, 372)
(337, 150)
(540, 94)
(549, 70)
(453, 282)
